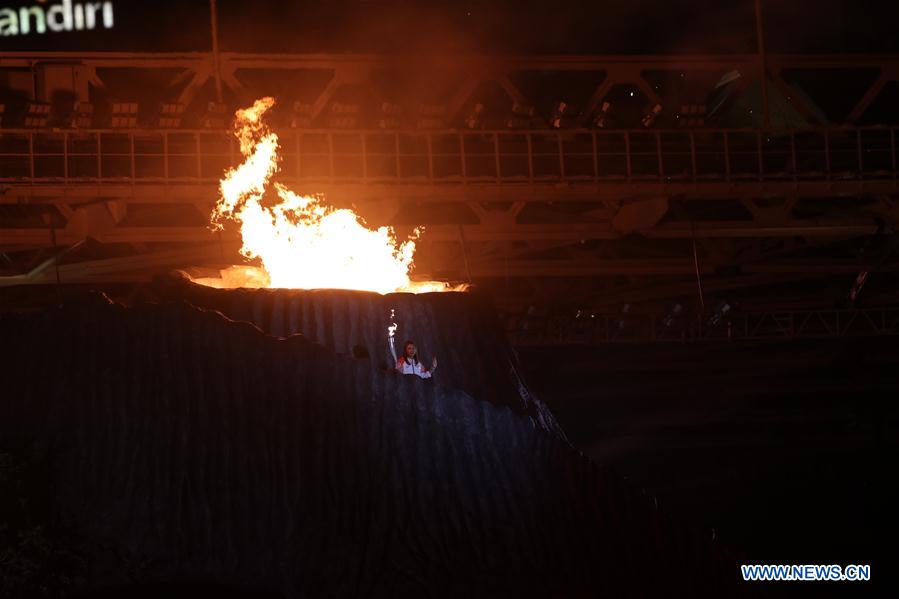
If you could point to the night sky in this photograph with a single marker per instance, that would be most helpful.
(495, 26)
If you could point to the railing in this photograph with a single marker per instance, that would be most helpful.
(499, 157)
(642, 328)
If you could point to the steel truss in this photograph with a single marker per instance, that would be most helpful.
(599, 211)
(757, 326)
(462, 76)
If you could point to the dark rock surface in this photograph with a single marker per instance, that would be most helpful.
(186, 446)
(462, 329)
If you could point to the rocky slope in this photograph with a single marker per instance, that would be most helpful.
(187, 446)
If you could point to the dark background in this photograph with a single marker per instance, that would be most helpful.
(786, 450)
(496, 26)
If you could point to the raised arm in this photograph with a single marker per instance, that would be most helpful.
(392, 350)
(391, 339)
(427, 373)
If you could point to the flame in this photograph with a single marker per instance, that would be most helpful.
(391, 328)
(301, 241)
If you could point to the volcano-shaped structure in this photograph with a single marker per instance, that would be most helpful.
(185, 445)
(462, 329)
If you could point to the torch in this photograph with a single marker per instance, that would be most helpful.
(391, 335)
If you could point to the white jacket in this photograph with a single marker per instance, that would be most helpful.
(415, 368)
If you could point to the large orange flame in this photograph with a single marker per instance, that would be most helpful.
(301, 241)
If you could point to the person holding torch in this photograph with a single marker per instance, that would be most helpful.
(409, 362)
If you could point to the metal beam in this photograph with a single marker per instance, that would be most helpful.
(188, 192)
(656, 267)
(561, 62)
(619, 69)
(15, 237)
(607, 163)
(138, 267)
(605, 328)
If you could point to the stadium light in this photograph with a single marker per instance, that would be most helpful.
(562, 115)
(431, 116)
(390, 116)
(601, 120)
(721, 314)
(344, 116)
(215, 118)
(37, 115)
(301, 117)
(692, 115)
(475, 118)
(170, 115)
(83, 116)
(650, 117)
(522, 116)
(673, 315)
(124, 115)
